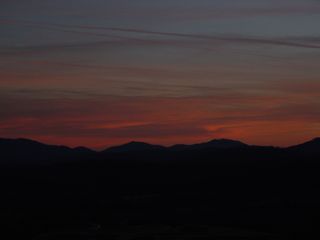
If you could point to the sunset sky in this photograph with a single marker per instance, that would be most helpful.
(105, 72)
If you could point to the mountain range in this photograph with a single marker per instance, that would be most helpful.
(26, 151)
(139, 191)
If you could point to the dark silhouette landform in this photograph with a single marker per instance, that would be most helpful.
(221, 189)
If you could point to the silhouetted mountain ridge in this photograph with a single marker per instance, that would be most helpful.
(310, 147)
(213, 144)
(134, 146)
(26, 151)
(217, 183)
(29, 151)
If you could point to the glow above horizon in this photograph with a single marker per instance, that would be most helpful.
(99, 73)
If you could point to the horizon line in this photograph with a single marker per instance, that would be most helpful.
(169, 146)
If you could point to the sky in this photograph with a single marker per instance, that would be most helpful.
(104, 72)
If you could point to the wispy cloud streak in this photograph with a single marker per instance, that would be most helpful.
(302, 43)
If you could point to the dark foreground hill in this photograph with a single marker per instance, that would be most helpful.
(222, 189)
(28, 152)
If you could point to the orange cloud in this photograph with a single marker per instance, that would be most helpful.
(102, 121)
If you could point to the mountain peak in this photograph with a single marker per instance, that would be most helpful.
(316, 140)
(311, 142)
(27, 151)
(19, 140)
(224, 143)
(134, 146)
(312, 146)
(212, 144)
